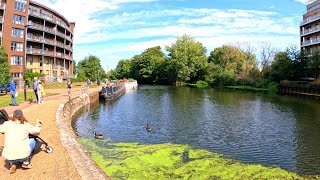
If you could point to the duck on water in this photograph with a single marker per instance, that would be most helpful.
(97, 136)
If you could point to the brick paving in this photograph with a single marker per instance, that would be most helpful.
(56, 165)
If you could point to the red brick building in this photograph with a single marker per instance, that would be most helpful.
(37, 39)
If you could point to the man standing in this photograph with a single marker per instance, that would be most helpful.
(12, 88)
(35, 87)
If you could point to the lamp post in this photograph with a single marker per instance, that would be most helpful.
(25, 61)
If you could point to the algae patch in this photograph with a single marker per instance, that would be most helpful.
(172, 161)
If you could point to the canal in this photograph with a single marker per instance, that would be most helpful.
(253, 128)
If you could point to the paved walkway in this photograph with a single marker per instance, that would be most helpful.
(56, 165)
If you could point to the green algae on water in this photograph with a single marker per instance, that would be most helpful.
(173, 161)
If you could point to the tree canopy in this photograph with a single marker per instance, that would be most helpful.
(90, 68)
(4, 67)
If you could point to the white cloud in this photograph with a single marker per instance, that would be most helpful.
(99, 21)
(305, 1)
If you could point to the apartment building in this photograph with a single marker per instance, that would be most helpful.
(310, 28)
(37, 39)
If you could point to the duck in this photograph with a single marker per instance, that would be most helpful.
(97, 136)
(148, 128)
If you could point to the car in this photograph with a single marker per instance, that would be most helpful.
(4, 89)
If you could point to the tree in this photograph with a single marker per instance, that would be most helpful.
(231, 59)
(123, 69)
(314, 64)
(4, 67)
(282, 67)
(267, 55)
(90, 68)
(75, 71)
(187, 59)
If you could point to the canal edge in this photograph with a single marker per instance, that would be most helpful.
(80, 157)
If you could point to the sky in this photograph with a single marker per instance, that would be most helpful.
(119, 29)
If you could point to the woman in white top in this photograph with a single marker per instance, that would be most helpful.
(18, 147)
(39, 87)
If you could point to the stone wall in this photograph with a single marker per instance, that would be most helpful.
(86, 167)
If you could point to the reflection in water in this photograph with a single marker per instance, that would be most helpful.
(252, 128)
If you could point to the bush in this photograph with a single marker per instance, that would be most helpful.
(272, 88)
(202, 84)
(77, 80)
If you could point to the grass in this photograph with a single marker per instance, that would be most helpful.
(173, 161)
(5, 99)
(64, 85)
(247, 88)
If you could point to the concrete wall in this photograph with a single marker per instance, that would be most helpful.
(86, 167)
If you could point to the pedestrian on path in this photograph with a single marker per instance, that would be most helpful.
(18, 147)
(13, 93)
(42, 92)
(88, 83)
(39, 87)
(69, 83)
(35, 87)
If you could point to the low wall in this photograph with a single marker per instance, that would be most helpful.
(86, 167)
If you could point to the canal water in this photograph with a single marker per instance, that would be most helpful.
(280, 131)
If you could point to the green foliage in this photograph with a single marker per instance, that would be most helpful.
(273, 88)
(73, 80)
(200, 84)
(90, 68)
(314, 64)
(282, 67)
(123, 69)
(5, 75)
(173, 161)
(28, 76)
(187, 59)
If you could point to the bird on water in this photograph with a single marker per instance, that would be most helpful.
(97, 136)
(148, 127)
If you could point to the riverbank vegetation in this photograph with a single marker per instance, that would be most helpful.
(173, 161)
(185, 61)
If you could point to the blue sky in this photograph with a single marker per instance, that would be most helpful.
(119, 29)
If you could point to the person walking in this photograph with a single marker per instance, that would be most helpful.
(42, 92)
(69, 83)
(88, 83)
(18, 147)
(35, 87)
(39, 87)
(13, 93)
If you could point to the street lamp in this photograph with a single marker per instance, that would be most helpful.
(25, 61)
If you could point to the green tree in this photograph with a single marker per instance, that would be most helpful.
(75, 71)
(147, 65)
(232, 62)
(4, 67)
(90, 68)
(314, 64)
(282, 67)
(123, 69)
(187, 59)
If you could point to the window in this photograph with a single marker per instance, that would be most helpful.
(18, 19)
(16, 46)
(47, 72)
(20, 5)
(17, 33)
(31, 61)
(40, 61)
(16, 60)
(47, 62)
(16, 75)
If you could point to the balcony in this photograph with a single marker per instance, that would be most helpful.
(311, 19)
(53, 19)
(60, 44)
(310, 42)
(48, 41)
(34, 38)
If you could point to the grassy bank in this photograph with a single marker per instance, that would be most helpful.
(248, 88)
(5, 99)
(173, 161)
